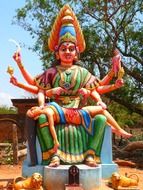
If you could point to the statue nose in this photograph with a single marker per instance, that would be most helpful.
(67, 51)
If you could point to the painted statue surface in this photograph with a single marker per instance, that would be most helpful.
(69, 130)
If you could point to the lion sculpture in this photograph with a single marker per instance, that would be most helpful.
(118, 181)
(33, 182)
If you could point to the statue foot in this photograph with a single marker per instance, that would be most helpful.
(123, 133)
(55, 162)
(89, 161)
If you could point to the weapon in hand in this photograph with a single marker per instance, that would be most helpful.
(16, 43)
(10, 70)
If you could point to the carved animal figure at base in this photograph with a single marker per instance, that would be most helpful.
(33, 182)
(118, 181)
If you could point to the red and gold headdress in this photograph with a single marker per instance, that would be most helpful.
(66, 28)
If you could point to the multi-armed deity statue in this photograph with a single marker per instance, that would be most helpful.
(68, 129)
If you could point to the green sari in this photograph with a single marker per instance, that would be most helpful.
(75, 142)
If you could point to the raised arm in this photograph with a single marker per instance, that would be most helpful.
(115, 70)
(106, 80)
(26, 75)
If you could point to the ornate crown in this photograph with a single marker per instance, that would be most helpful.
(66, 28)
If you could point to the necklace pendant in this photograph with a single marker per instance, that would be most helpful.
(66, 85)
(68, 72)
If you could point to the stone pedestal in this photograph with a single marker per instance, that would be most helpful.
(56, 178)
(89, 177)
(108, 169)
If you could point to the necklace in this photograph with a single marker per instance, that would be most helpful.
(68, 77)
(67, 82)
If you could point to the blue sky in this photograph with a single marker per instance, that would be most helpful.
(30, 60)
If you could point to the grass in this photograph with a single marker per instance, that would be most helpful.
(8, 110)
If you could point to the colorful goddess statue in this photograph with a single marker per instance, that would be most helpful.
(68, 131)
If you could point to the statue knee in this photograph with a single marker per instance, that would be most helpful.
(100, 118)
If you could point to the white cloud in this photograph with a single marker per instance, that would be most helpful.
(5, 99)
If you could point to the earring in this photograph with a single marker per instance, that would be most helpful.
(76, 58)
(57, 56)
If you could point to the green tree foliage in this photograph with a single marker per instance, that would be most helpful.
(107, 24)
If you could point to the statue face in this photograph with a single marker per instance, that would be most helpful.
(34, 112)
(67, 53)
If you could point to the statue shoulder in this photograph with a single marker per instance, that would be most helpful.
(49, 71)
(44, 80)
(81, 68)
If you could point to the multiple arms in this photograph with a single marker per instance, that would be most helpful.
(116, 70)
(108, 88)
(104, 86)
(30, 88)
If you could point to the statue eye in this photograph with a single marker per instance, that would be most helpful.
(71, 49)
(63, 49)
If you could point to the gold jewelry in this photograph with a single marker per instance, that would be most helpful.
(76, 58)
(68, 76)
